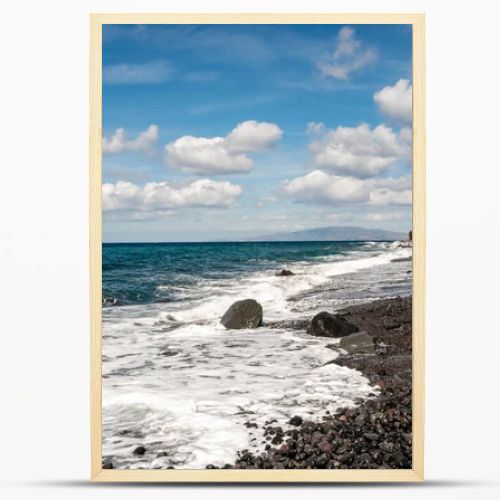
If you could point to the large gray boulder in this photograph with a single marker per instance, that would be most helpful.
(243, 314)
(325, 324)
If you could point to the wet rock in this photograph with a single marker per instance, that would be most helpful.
(289, 324)
(140, 450)
(402, 259)
(243, 314)
(359, 343)
(285, 272)
(325, 324)
(110, 301)
(168, 352)
(296, 420)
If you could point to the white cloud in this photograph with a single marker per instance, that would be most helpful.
(319, 187)
(202, 156)
(349, 55)
(252, 136)
(396, 101)
(406, 136)
(359, 151)
(386, 196)
(376, 217)
(162, 195)
(119, 143)
(223, 155)
(148, 73)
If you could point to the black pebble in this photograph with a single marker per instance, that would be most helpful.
(296, 420)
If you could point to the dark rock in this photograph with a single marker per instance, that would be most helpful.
(402, 259)
(162, 454)
(296, 420)
(325, 447)
(399, 460)
(168, 352)
(386, 446)
(243, 314)
(285, 272)
(107, 465)
(359, 343)
(325, 324)
(140, 450)
(110, 301)
(289, 324)
(321, 461)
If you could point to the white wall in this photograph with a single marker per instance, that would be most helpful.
(44, 425)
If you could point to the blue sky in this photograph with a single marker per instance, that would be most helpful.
(227, 131)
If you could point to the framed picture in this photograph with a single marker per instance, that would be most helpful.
(257, 247)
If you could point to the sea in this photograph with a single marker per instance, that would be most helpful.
(190, 392)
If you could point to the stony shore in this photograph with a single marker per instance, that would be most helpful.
(376, 434)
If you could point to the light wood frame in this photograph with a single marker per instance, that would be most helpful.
(238, 476)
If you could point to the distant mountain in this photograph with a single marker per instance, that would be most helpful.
(334, 233)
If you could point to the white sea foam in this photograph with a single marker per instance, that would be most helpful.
(175, 381)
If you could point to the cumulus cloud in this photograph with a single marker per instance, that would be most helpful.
(223, 155)
(406, 136)
(318, 187)
(131, 74)
(119, 142)
(162, 195)
(349, 55)
(396, 101)
(202, 155)
(359, 151)
(252, 136)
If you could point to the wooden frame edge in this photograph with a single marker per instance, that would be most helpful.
(95, 241)
(417, 20)
(257, 18)
(261, 476)
(419, 245)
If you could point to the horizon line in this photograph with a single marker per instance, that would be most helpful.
(245, 241)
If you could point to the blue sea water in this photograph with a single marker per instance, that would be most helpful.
(178, 383)
(148, 272)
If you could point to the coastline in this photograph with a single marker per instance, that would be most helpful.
(376, 434)
(291, 373)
